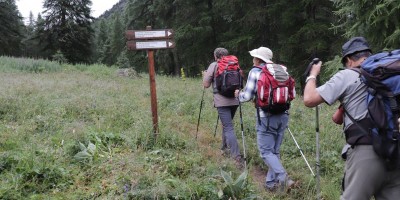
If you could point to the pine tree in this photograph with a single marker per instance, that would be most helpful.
(67, 27)
(11, 26)
(102, 43)
(29, 45)
(378, 21)
(117, 38)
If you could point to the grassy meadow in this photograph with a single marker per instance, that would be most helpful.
(83, 132)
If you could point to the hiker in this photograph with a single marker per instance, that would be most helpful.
(226, 107)
(270, 127)
(365, 173)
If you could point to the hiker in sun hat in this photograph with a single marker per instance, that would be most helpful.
(270, 127)
(226, 108)
(365, 173)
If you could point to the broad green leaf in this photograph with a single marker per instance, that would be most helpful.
(227, 177)
(82, 146)
(91, 148)
(241, 180)
(82, 155)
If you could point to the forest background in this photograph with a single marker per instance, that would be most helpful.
(296, 31)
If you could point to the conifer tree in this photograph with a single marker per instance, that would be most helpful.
(67, 27)
(103, 43)
(11, 26)
(378, 21)
(117, 38)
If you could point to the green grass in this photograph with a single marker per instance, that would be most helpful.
(82, 132)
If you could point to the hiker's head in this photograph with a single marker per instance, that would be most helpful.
(262, 55)
(219, 52)
(354, 50)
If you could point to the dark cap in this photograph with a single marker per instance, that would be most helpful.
(354, 45)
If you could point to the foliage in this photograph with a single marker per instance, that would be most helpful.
(59, 57)
(8, 64)
(11, 29)
(238, 26)
(67, 27)
(235, 189)
(377, 20)
(295, 31)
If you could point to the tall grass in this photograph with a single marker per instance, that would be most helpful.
(82, 132)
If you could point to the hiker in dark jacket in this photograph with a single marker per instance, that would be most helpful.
(365, 173)
(226, 108)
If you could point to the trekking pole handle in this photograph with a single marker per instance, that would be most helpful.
(313, 62)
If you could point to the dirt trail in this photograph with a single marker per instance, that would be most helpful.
(258, 176)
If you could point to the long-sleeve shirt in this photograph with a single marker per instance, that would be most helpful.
(250, 90)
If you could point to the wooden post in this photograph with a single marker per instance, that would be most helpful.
(150, 40)
(153, 92)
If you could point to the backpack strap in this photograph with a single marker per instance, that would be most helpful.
(357, 123)
(214, 84)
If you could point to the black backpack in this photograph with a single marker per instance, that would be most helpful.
(228, 76)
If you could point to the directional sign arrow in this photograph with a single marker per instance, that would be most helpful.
(151, 44)
(151, 34)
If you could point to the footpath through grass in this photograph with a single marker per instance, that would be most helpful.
(83, 132)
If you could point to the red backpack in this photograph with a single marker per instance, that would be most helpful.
(274, 92)
(228, 76)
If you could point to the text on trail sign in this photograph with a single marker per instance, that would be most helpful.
(148, 34)
(151, 44)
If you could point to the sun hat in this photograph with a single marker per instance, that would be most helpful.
(262, 53)
(354, 45)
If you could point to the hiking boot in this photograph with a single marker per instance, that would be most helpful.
(287, 185)
(290, 184)
(274, 188)
(239, 162)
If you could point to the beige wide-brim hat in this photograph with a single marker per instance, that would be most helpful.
(262, 53)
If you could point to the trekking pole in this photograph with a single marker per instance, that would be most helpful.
(201, 106)
(302, 154)
(317, 150)
(241, 126)
(241, 123)
(216, 126)
(307, 72)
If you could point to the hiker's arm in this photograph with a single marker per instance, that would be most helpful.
(206, 80)
(249, 89)
(208, 75)
(311, 96)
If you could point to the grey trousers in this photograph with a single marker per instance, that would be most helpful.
(366, 176)
(229, 139)
(269, 141)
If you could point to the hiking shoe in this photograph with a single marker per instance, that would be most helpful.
(287, 185)
(274, 188)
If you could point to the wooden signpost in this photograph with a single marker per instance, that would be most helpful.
(150, 40)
